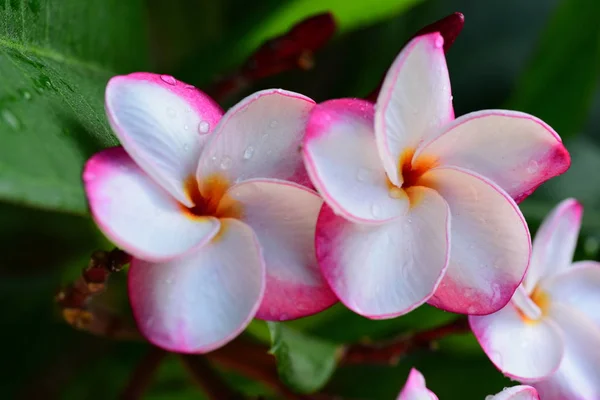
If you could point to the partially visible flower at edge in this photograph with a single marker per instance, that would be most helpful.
(549, 334)
(419, 205)
(216, 210)
(415, 389)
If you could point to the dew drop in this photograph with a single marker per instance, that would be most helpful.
(214, 159)
(11, 119)
(375, 210)
(168, 79)
(25, 94)
(248, 153)
(171, 112)
(265, 136)
(273, 124)
(362, 174)
(533, 167)
(203, 127)
(186, 127)
(186, 147)
(225, 162)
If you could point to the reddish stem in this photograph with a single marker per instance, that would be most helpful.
(142, 375)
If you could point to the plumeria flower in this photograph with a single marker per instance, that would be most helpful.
(550, 331)
(215, 209)
(421, 206)
(415, 389)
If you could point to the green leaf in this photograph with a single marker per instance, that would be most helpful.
(304, 363)
(559, 83)
(55, 60)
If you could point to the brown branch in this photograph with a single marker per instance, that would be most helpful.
(76, 300)
(142, 375)
(392, 352)
(292, 50)
(208, 379)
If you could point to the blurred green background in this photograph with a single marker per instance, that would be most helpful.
(539, 56)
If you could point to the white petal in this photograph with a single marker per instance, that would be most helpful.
(283, 216)
(200, 302)
(490, 243)
(554, 243)
(522, 349)
(415, 101)
(382, 271)
(515, 150)
(342, 160)
(260, 137)
(577, 377)
(137, 214)
(521, 392)
(415, 388)
(160, 122)
(577, 287)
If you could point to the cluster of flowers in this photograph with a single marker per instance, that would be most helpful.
(280, 207)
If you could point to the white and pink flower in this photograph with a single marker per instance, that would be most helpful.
(216, 210)
(421, 206)
(415, 389)
(549, 334)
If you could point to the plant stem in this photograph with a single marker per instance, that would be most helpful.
(142, 375)
(208, 379)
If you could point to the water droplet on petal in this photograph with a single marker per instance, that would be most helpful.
(533, 167)
(186, 127)
(265, 136)
(248, 153)
(375, 210)
(273, 123)
(362, 174)
(186, 147)
(225, 162)
(171, 112)
(11, 119)
(203, 127)
(168, 79)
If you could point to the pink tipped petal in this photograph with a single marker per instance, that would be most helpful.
(522, 349)
(161, 123)
(515, 150)
(578, 287)
(341, 157)
(521, 392)
(137, 214)
(283, 216)
(382, 271)
(199, 302)
(490, 243)
(577, 377)
(414, 102)
(554, 243)
(415, 388)
(260, 137)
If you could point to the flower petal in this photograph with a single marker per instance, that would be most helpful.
(521, 392)
(554, 243)
(521, 349)
(415, 388)
(341, 157)
(199, 302)
(517, 151)
(382, 271)
(161, 122)
(490, 243)
(137, 214)
(578, 287)
(577, 377)
(283, 216)
(414, 102)
(260, 137)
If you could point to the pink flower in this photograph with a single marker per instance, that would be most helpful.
(419, 204)
(415, 389)
(550, 331)
(220, 225)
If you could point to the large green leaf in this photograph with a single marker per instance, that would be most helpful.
(304, 363)
(55, 59)
(559, 84)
